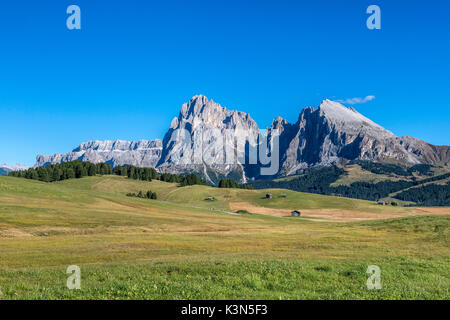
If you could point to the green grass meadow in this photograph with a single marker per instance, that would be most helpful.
(183, 247)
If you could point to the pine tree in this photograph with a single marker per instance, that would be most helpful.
(91, 170)
(57, 173)
(70, 173)
(131, 172)
(43, 174)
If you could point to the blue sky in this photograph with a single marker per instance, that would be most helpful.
(125, 74)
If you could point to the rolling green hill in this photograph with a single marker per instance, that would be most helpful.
(229, 199)
(183, 246)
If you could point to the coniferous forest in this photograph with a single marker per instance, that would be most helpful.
(319, 180)
(64, 171)
(383, 168)
(230, 183)
(429, 195)
(79, 169)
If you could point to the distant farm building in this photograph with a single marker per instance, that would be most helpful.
(383, 203)
(296, 213)
(210, 198)
(268, 196)
(283, 195)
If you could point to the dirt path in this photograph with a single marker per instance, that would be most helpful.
(337, 215)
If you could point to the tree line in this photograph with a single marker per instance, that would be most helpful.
(79, 169)
(370, 191)
(230, 183)
(148, 174)
(136, 173)
(64, 171)
(144, 195)
(386, 168)
(429, 195)
(316, 180)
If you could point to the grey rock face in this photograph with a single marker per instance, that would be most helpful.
(334, 134)
(116, 152)
(425, 152)
(202, 140)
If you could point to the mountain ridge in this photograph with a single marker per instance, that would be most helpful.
(142, 153)
(5, 168)
(333, 133)
(329, 134)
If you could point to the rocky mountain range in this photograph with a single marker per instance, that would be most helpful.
(216, 142)
(143, 153)
(5, 168)
(333, 133)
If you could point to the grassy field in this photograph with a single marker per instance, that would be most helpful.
(235, 199)
(354, 173)
(184, 247)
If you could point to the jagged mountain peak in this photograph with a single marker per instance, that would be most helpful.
(195, 105)
(278, 126)
(349, 119)
(279, 121)
(200, 105)
(200, 97)
(337, 111)
(207, 113)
